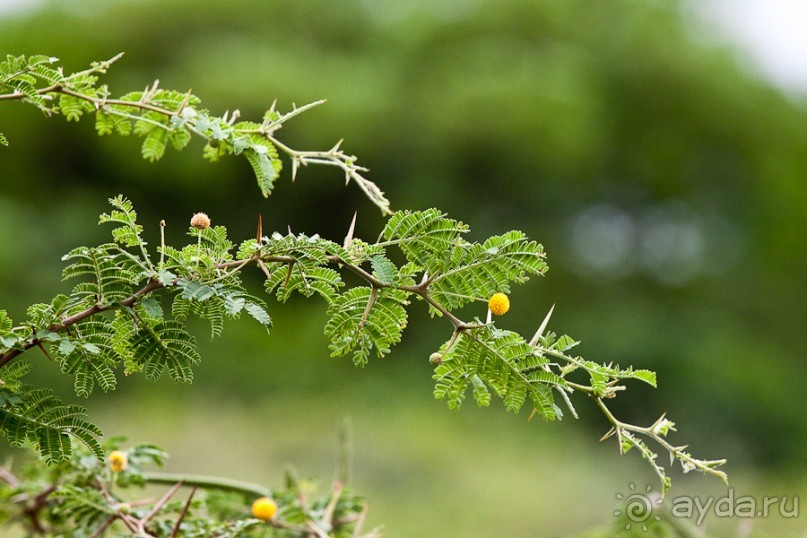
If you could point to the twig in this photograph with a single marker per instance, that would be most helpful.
(97, 533)
(161, 502)
(207, 482)
(183, 513)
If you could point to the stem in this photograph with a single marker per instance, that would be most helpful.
(162, 244)
(198, 249)
(458, 323)
(677, 452)
(208, 482)
(152, 285)
(365, 275)
(370, 303)
(235, 265)
(182, 514)
(333, 157)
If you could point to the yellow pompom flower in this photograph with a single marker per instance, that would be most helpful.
(264, 509)
(118, 461)
(499, 304)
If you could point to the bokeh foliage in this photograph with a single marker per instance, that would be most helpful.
(666, 183)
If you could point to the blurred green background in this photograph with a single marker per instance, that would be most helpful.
(666, 183)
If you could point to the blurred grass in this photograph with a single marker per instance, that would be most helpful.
(426, 471)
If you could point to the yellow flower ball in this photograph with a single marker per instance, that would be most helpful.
(264, 509)
(118, 461)
(499, 304)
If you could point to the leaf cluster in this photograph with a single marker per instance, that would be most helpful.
(84, 497)
(162, 117)
(128, 311)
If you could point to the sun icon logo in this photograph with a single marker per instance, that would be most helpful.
(638, 506)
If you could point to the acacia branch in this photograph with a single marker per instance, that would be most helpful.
(333, 157)
(653, 432)
(235, 266)
(151, 286)
(208, 482)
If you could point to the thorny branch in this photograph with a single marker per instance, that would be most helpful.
(273, 122)
(624, 431)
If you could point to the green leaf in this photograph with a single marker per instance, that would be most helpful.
(179, 138)
(647, 376)
(66, 347)
(212, 302)
(108, 122)
(166, 346)
(425, 237)
(152, 307)
(104, 123)
(128, 234)
(481, 392)
(383, 268)
(480, 270)
(258, 312)
(502, 361)
(304, 279)
(90, 356)
(112, 275)
(516, 397)
(71, 107)
(85, 507)
(149, 121)
(6, 324)
(599, 382)
(154, 144)
(361, 322)
(44, 420)
(264, 171)
(196, 291)
(234, 305)
(11, 374)
(307, 273)
(544, 402)
(166, 278)
(564, 343)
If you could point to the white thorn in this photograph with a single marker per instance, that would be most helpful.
(295, 164)
(540, 332)
(349, 236)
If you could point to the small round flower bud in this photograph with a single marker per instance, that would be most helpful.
(118, 461)
(264, 509)
(436, 359)
(200, 221)
(499, 304)
(125, 508)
